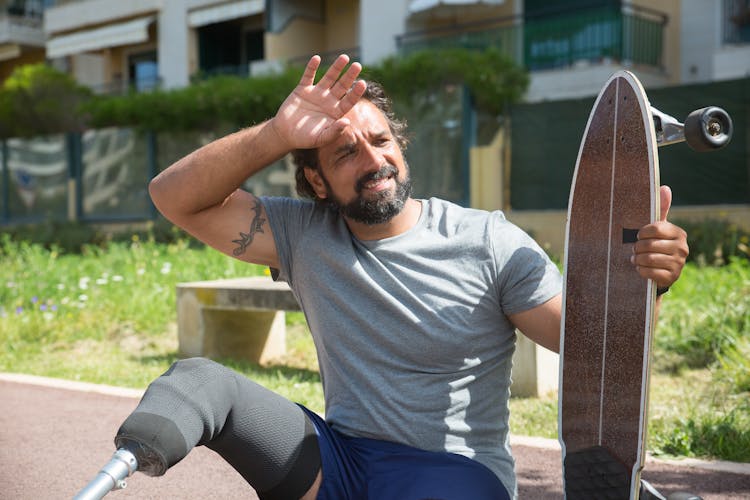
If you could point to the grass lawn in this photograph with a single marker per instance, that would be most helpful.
(107, 316)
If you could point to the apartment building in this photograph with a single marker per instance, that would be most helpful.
(22, 37)
(109, 44)
(569, 46)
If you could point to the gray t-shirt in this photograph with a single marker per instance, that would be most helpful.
(411, 331)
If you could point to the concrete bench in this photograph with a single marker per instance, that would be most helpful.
(244, 318)
(236, 318)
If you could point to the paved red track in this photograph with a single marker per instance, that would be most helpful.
(54, 440)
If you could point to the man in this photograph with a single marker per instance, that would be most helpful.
(413, 305)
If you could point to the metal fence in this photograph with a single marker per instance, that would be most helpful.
(98, 175)
(546, 137)
(102, 175)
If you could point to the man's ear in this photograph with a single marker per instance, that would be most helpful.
(316, 181)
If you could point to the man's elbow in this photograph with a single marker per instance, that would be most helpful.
(160, 197)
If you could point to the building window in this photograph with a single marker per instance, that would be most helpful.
(228, 47)
(143, 71)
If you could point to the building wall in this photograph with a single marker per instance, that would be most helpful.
(173, 48)
(342, 30)
(380, 21)
(81, 15)
(700, 38)
(300, 38)
(28, 56)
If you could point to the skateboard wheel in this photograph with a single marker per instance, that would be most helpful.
(708, 128)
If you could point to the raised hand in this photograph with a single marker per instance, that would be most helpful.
(661, 249)
(312, 115)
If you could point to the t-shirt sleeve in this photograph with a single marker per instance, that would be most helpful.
(526, 276)
(287, 218)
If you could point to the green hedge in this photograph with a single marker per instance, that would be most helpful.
(58, 105)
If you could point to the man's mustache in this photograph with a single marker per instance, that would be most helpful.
(385, 171)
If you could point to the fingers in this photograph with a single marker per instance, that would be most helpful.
(665, 198)
(344, 84)
(660, 252)
(333, 81)
(352, 97)
(332, 75)
(308, 77)
(661, 230)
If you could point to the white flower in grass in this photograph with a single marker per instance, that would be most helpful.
(166, 268)
(140, 271)
(102, 281)
(117, 277)
(83, 283)
(83, 297)
(60, 286)
(10, 284)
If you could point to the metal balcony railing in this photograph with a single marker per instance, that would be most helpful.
(122, 87)
(21, 22)
(736, 21)
(23, 9)
(557, 39)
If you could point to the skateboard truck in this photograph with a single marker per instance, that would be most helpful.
(705, 129)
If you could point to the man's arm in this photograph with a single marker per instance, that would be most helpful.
(200, 192)
(659, 254)
(541, 323)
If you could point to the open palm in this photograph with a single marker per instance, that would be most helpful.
(313, 114)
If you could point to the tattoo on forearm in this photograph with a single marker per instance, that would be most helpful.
(256, 226)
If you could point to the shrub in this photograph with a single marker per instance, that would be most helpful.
(706, 314)
(724, 434)
(203, 105)
(715, 242)
(494, 81)
(73, 237)
(38, 100)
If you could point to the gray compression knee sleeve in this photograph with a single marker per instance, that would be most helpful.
(266, 438)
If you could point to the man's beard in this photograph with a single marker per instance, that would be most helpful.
(380, 209)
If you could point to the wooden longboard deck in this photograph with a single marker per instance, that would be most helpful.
(608, 308)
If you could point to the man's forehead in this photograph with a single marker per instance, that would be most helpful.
(366, 122)
(366, 117)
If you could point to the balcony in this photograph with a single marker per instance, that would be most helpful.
(560, 39)
(21, 23)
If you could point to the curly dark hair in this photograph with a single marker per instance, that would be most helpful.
(308, 158)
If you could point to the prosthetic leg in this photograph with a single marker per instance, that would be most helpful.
(266, 438)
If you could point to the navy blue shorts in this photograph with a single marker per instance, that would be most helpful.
(369, 469)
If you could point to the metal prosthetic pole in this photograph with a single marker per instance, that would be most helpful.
(112, 476)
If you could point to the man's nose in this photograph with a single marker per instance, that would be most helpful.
(372, 158)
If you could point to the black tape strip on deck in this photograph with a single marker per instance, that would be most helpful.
(629, 235)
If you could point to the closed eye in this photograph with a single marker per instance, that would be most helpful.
(346, 154)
